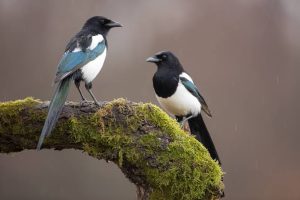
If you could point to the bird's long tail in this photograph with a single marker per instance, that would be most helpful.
(55, 107)
(198, 128)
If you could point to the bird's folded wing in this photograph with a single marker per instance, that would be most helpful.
(190, 86)
(71, 61)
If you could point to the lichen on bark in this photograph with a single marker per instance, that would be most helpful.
(149, 147)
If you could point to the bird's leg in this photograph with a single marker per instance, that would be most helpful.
(178, 118)
(77, 83)
(94, 98)
(88, 88)
(182, 122)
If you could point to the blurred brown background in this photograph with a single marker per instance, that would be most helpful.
(243, 55)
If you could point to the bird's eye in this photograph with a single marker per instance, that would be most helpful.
(164, 56)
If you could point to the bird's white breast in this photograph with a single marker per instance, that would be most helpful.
(181, 103)
(91, 69)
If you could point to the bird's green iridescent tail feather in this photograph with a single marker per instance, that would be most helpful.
(55, 108)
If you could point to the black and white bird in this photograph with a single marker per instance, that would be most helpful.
(177, 94)
(82, 61)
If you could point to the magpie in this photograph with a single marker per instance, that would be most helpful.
(82, 61)
(177, 94)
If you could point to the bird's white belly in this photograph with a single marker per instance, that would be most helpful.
(91, 69)
(181, 103)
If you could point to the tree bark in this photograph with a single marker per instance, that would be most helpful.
(163, 161)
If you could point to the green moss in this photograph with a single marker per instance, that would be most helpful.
(10, 110)
(12, 120)
(12, 124)
(172, 162)
(179, 169)
(189, 170)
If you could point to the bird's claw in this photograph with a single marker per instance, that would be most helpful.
(98, 103)
(84, 102)
(181, 124)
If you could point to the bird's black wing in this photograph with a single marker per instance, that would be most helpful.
(190, 86)
(81, 40)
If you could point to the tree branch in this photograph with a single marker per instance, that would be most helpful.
(163, 161)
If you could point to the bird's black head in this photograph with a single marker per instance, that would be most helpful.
(99, 24)
(166, 59)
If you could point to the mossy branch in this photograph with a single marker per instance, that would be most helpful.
(148, 146)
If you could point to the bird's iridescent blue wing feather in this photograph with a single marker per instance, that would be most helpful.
(191, 87)
(71, 61)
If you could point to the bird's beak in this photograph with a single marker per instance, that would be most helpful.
(113, 24)
(153, 59)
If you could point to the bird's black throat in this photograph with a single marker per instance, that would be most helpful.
(165, 82)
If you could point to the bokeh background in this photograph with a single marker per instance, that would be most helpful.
(243, 55)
